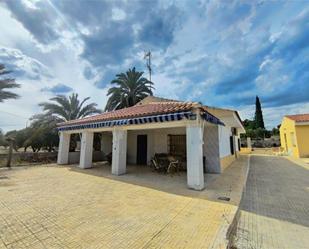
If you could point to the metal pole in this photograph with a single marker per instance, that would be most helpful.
(149, 67)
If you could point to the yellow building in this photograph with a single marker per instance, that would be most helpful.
(294, 135)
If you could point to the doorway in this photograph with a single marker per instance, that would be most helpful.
(141, 152)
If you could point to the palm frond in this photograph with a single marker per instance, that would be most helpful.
(62, 108)
(7, 83)
(130, 88)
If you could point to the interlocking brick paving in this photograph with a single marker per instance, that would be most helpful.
(275, 205)
(66, 207)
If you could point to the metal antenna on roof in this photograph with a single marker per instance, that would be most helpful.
(147, 57)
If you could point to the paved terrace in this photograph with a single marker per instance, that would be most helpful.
(65, 207)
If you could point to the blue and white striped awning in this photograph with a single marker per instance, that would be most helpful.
(140, 120)
(211, 118)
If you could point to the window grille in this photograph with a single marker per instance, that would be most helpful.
(177, 145)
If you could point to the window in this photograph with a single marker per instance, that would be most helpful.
(177, 145)
(238, 144)
(232, 144)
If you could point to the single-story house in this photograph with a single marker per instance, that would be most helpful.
(206, 137)
(294, 135)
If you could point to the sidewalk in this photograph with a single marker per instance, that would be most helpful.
(230, 184)
(303, 162)
(275, 205)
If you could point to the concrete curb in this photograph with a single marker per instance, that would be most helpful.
(232, 230)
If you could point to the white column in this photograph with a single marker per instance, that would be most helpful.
(85, 161)
(119, 160)
(195, 174)
(249, 142)
(63, 149)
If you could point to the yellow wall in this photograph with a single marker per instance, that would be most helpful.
(294, 139)
(302, 133)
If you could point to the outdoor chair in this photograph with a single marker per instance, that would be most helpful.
(173, 164)
(158, 163)
(109, 157)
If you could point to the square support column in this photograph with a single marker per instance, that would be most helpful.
(195, 173)
(249, 142)
(119, 160)
(85, 161)
(63, 149)
(211, 149)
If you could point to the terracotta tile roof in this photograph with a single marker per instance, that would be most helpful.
(150, 99)
(299, 117)
(149, 109)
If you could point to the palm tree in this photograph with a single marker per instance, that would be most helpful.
(64, 108)
(131, 88)
(7, 83)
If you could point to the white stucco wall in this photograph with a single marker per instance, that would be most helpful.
(156, 142)
(106, 142)
(211, 149)
(236, 143)
(224, 141)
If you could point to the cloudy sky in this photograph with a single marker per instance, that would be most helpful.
(222, 53)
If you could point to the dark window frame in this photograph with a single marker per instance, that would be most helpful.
(177, 145)
(232, 145)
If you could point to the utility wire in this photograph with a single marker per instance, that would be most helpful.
(5, 125)
(13, 114)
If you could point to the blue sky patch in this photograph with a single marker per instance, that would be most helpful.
(222, 53)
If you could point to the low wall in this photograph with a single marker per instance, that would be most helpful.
(245, 150)
(29, 157)
(96, 156)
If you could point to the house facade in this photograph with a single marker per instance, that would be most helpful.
(205, 138)
(294, 135)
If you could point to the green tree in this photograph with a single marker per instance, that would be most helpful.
(258, 118)
(62, 108)
(20, 138)
(11, 135)
(275, 131)
(44, 133)
(3, 141)
(7, 83)
(131, 88)
(249, 124)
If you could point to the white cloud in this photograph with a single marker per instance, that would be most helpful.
(220, 53)
(118, 14)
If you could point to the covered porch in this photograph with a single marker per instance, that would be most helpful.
(136, 143)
